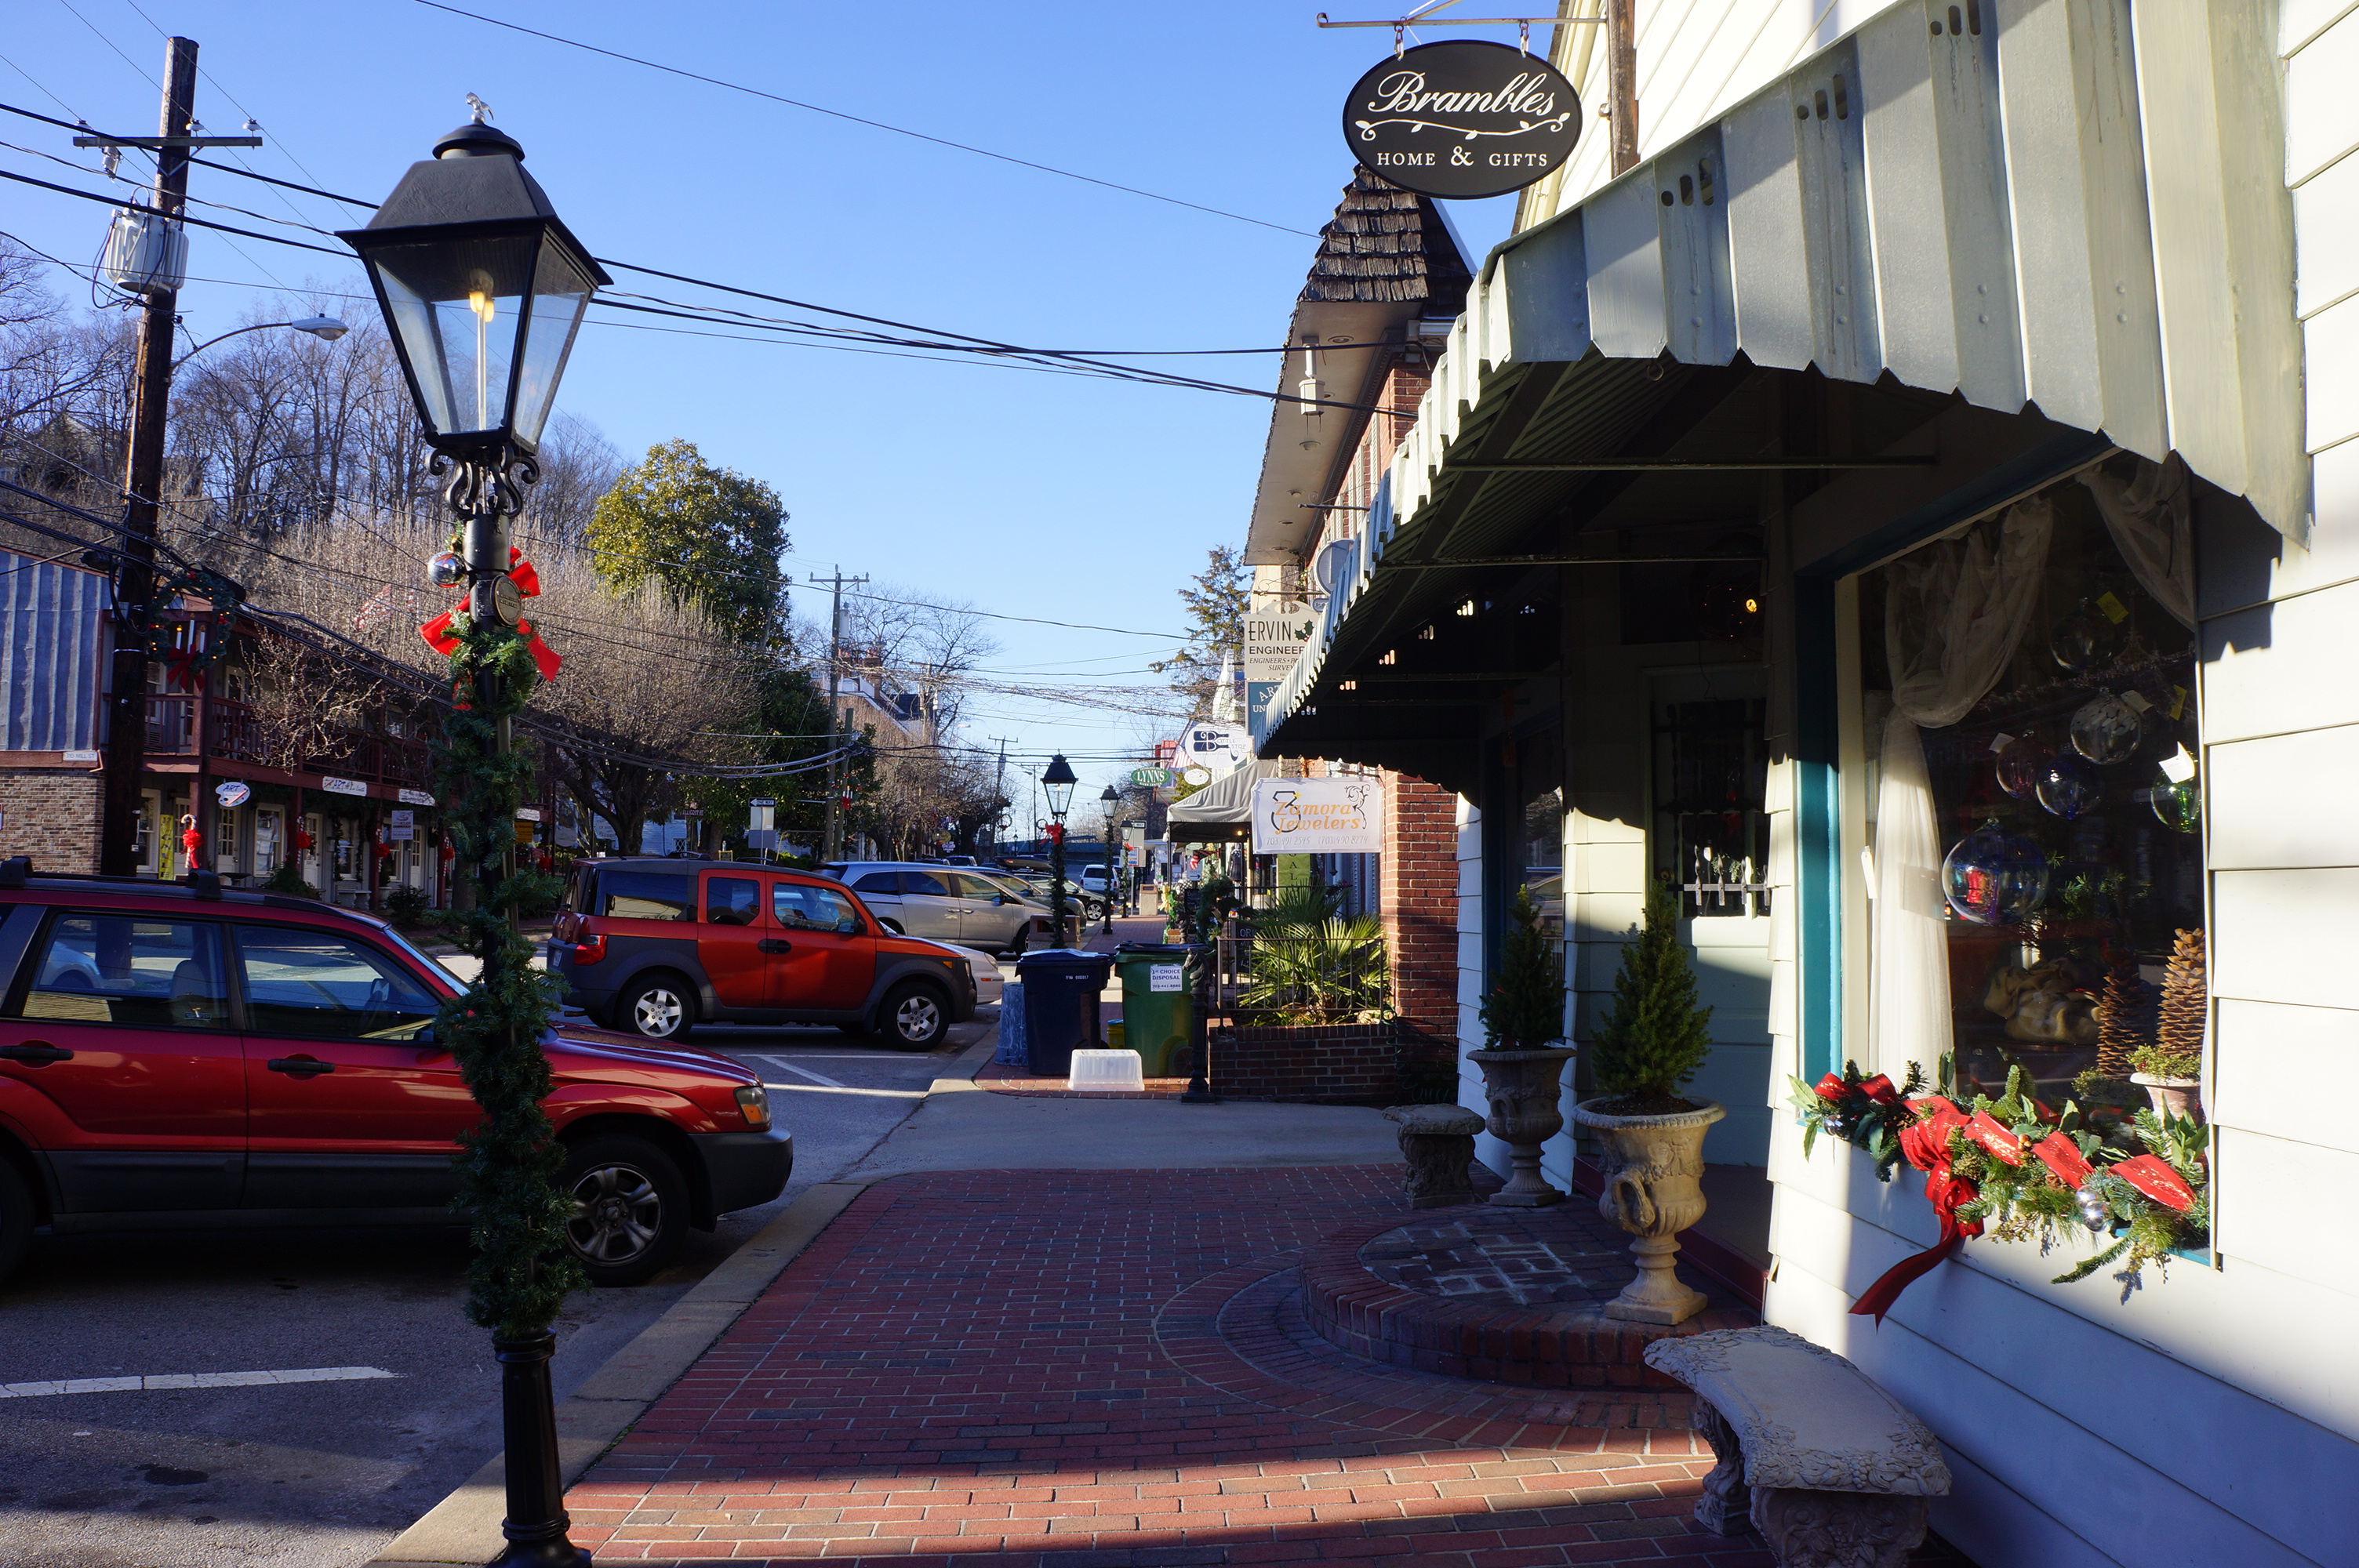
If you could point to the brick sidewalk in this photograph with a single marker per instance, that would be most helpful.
(1057, 1369)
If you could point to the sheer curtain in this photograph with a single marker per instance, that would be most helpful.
(1954, 610)
(1908, 972)
(1953, 615)
(2152, 516)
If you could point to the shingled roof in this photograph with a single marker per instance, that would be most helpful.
(1385, 245)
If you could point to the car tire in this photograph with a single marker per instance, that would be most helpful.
(630, 1208)
(1015, 944)
(661, 1008)
(914, 1017)
(18, 1215)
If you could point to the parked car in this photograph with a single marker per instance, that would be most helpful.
(1096, 881)
(180, 1056)
(945, 903)
(989, 984)
(654, 946)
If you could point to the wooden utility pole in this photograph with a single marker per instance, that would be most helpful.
(833, 841)
(1622, 81)
(127, 734)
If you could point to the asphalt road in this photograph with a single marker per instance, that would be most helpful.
(320, 1474)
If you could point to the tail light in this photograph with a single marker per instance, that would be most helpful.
(589, 945)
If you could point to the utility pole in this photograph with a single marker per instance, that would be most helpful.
(1622, 82)
(833, 841)
(126, 733)
(999, 788)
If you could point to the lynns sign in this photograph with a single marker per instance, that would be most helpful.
(1462, 119)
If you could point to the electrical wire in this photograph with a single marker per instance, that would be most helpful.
(858, 119)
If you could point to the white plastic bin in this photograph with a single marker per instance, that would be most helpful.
(1106, 1072)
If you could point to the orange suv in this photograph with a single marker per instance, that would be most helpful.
(173, 1055)
(654, 946)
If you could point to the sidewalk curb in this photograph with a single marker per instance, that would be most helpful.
(465, 1526)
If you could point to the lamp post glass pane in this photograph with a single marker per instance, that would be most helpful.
(561, 294)
(458, 308)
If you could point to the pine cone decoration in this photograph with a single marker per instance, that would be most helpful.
(2126, 1021)
(2185, 987)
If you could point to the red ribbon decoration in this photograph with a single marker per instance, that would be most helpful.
(1829, 1089)
(441, 637)
(1880, 1089)
(1927, 1145)
(2152, 1176)
(190, 842)
(2062, 1155)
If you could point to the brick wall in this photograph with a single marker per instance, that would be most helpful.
(51, 814)
(1420, 903)
(1333, 1063)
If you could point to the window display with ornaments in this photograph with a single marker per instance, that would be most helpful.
(2030, 838)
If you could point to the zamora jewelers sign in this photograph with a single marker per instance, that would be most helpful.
(1462, 119)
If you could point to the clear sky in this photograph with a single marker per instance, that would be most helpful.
(1023, 494)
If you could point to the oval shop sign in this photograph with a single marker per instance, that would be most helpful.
(1462, 119)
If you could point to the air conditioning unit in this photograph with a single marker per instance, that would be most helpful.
(144, 252)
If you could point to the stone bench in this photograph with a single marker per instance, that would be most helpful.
(1831, 1469)
(1438, 1141)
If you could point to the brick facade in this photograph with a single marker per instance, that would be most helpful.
(1420, 903)
(50, 814)
(1339, 1064)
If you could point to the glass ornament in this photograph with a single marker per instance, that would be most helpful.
(2018, 766)
(2082, 639)
(1991, 877)
(2105, 729)
(2067, 786)
(2178, 805)
(446, 571)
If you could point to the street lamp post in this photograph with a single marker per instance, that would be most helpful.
(1057, 781)
(483, 290)
(1109, 802)
(327, 329)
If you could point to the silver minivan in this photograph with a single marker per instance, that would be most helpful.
(941, 903)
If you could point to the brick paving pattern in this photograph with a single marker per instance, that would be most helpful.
(1064, 1369)
(1506, 1257)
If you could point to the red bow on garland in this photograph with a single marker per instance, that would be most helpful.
(1926, 1143)
(443, 640)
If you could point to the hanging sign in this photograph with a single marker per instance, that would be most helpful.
(232, 792)
(1318, 817)
(414, 796)
(1274, 641)
(1462, 119)
(344, 786)
(1151, 778)
(1218, 747)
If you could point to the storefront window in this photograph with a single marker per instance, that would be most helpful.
(1710, 767)
(1537, 850)
(2033, 847)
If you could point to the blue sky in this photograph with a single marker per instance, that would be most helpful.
(1023, 494)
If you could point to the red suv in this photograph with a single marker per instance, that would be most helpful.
(653, 947)
(178, 1055)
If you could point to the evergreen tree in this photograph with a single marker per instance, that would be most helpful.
(711, 536)
(1526, 1007)
(1214, 605)
(1656, 1037)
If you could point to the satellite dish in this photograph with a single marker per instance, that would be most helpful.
(1334, 564)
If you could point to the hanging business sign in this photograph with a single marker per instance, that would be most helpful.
(232, 792)
(1274, 641)
(1318, 817)
(1151, 778)
(1217, 747)
(1462, 119)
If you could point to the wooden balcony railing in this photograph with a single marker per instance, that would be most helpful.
(235, 731)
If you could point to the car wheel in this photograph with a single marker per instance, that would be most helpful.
(1015, 948)
(630, 1208)
(662, 1009)
(914, 1016)
(17, 1216)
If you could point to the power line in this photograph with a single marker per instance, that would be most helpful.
(858, 119)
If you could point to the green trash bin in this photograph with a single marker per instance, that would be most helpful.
(1157, 1012)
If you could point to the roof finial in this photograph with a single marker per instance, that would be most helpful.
(483, 110)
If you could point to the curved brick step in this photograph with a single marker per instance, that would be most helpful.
(1552, 1345)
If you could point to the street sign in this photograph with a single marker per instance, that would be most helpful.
(1461, 119)
(1151, 778)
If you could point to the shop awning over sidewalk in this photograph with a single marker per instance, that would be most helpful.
(2087, 246)
(1221, 809)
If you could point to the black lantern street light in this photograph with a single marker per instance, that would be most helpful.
(483, 291)
(1057, 783)
(1110, 803)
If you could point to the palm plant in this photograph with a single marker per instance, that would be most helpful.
(1327, 969)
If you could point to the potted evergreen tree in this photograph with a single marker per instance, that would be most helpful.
(1650, 1135)
(1522, 1066)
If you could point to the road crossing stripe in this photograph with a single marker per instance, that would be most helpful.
(154, 1381)
(781, 1063)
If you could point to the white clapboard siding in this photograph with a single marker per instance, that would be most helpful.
(2260, 1219)
(2260, 1047)
(2261, 667)
(2326, 238)
(2261, 798)
(2324, 122)
(2287, 937)
(2330, 342)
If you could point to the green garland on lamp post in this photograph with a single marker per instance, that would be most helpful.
(521, 1270)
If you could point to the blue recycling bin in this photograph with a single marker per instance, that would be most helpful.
(1060, 1006)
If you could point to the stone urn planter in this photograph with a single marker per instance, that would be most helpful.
(1653, 1166)
(1522, 1092)
(2181, 1098)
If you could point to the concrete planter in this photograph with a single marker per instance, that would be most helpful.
(1521, 1088)
(1654, 1190)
